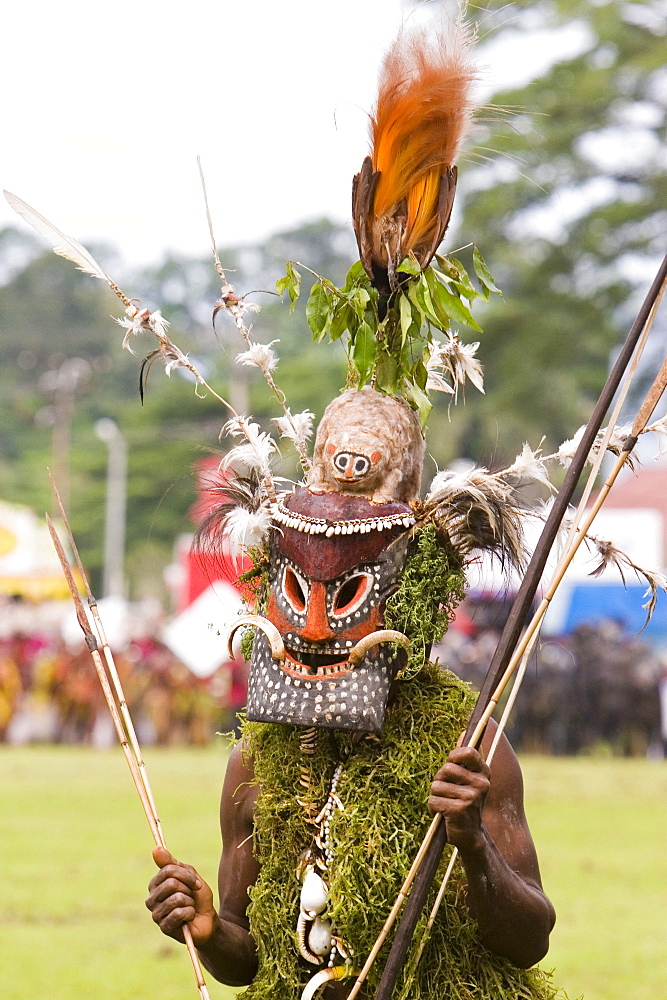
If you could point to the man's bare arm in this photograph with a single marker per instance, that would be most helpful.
(483, 810)
(179, 895)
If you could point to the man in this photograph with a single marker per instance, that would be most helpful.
(355, 579)
(482, 807)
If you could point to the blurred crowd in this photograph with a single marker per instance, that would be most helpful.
(50, 692)
(598, 688)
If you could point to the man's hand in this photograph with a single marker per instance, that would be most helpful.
(178, 895)
(482, 807)
(459, 791)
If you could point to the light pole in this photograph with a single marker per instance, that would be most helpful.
(113, 580)
(63, 382)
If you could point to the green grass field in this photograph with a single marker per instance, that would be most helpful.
(75, 852)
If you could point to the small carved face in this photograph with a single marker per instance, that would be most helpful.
(350, 468)
(370, 445)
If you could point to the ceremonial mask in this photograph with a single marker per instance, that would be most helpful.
(334, 560)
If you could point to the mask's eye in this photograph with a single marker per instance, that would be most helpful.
(352, 594)
(350, 465)
(295, 590)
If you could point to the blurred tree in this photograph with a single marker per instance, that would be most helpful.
(570, 214)
(50, 316)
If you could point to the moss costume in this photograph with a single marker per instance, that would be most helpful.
(383, 791)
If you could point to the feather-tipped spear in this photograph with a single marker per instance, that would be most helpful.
(422, 872)
(65, 246)
(118, 709)
(136, 320)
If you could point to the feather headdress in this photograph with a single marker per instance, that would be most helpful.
(402, 197)
(478, 510)
(240, 517)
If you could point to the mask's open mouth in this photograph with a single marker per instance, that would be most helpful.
(308, 663)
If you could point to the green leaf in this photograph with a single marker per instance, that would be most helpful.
(423, 295)
(358, 299)
(464, 282)
(449, 306)
(387, 373)
(355, 277)
(407, 317)
(448, 267)
(410, 266)
(418, 400)
(342, 320)
(415, 299)
(318, 310)
(290, 282)
(420, 374)
(363, 350)
(483, 273)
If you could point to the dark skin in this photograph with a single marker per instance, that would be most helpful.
(482, 807)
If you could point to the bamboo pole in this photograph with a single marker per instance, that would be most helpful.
(110, 662)
(134, 759)
(644, 415)
(529, 637)
(435, 836)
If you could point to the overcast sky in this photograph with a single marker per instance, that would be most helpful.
(106, 107)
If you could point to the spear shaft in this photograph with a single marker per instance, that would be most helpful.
(437, 833)
(122, 720)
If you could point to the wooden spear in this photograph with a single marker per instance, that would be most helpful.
(425, 865)
(524, 649)
(121, 719)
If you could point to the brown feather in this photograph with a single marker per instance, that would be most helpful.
(423, 113)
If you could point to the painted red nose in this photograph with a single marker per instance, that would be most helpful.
(317, 626)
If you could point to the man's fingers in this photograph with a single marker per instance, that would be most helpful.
(461, 765)
(162, 857)
(170, 921)
(469, 758)
(178, 903)
(184, 874)
(455, 789)
(169, 887)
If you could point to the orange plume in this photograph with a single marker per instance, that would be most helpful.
(403, 195)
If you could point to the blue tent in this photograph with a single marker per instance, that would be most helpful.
(592, 602)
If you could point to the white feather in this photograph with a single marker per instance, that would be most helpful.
(567, 450)
(243, 529)
(298, 427)
(259, 355)
(660, 429)
(529, 465)
(240, 426)
(448, 484)
(62, 244)
(254, 455)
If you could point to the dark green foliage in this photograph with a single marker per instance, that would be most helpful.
(387, 340)
(431, 587)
